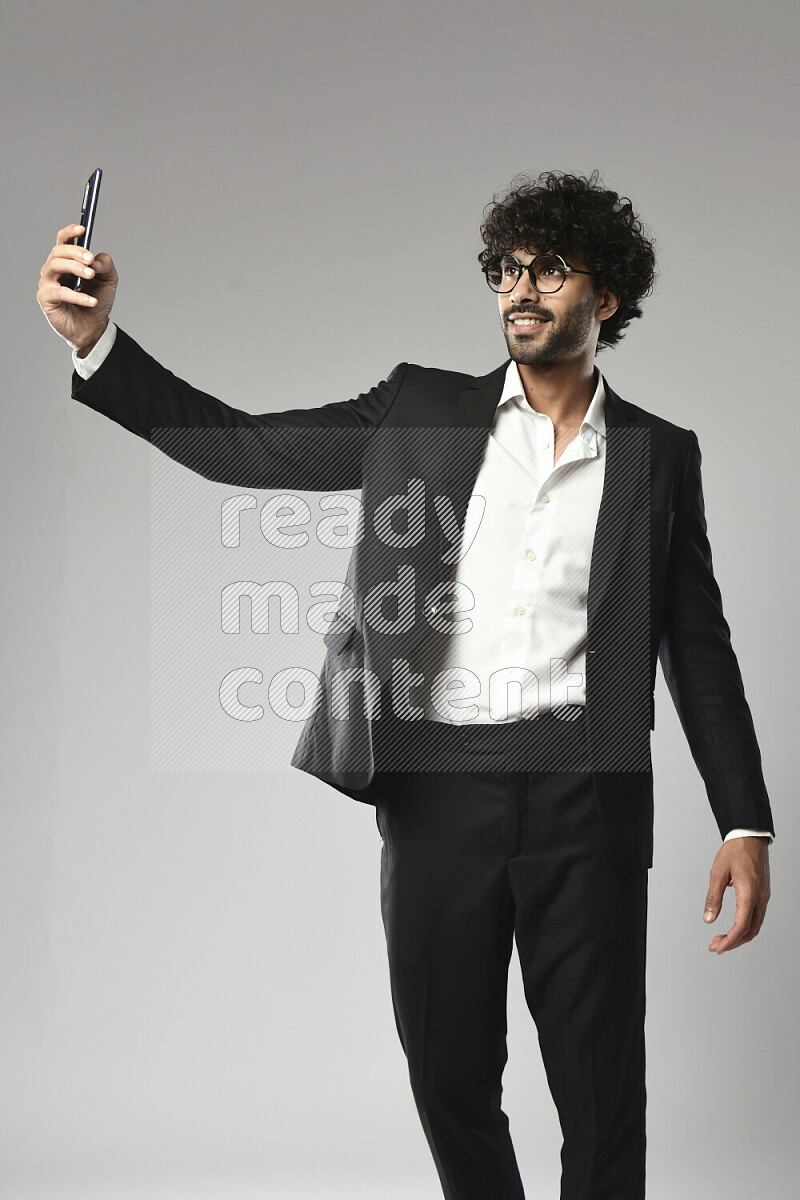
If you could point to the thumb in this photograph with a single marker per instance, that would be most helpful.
(713, 902)
(104, 268)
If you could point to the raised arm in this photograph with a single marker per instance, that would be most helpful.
(317, 449)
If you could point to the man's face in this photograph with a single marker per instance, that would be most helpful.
(569, 316)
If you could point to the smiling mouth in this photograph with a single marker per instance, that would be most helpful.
(527, 322)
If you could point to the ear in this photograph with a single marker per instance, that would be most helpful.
(607, 304)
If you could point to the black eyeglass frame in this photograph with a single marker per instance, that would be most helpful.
(568, 270)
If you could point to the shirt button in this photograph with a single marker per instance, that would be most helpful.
(545, 444)
(521, 610)
(545, 499)
(531, 555)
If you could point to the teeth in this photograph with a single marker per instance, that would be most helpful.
(525, 321)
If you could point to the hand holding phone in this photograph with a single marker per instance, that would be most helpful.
(76, 287)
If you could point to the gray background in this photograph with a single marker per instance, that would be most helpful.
(196, 998)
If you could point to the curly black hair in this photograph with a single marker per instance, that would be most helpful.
(572, 214)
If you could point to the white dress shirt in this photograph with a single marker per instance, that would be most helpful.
(525, 559)
(526, 555)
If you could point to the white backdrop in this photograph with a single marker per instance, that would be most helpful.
(196, 997)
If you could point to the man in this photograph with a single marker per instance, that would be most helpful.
(553, 547)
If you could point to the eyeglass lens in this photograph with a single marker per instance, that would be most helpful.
(548, 271)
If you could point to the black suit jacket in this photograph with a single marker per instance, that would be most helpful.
(652, 592)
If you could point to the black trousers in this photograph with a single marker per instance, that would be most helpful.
(472, 858)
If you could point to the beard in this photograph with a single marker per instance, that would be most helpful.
(564, 336)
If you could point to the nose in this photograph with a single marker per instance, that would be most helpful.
(523, 283)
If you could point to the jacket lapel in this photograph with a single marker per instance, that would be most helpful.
(475, 409)
(626, 489)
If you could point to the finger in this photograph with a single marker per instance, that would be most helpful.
(69, 231)
(55, 267)
(758, 921)
(731, 939)
(742, 920)
(56, 293)
(71, 253)
(751, 933)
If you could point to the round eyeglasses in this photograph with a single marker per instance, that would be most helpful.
(547, 273)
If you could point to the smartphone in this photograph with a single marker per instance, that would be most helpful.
(88, 210)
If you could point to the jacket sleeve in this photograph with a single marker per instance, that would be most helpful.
(314, 449)
(702, 672)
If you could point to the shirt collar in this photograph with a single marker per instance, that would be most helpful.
(513, 392)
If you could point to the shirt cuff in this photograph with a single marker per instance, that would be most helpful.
(97, 355)
(734, 833)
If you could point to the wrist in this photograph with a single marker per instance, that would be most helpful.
(84, 351)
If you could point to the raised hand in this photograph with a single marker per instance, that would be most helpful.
(78, 317)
